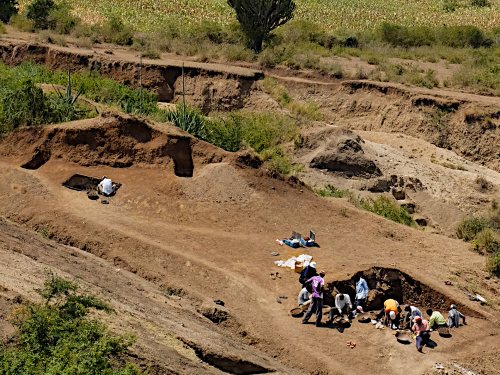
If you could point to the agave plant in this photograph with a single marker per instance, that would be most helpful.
(63, 106)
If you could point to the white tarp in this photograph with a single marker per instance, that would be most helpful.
(290, 263)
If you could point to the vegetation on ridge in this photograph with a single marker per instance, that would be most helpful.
(57, 336)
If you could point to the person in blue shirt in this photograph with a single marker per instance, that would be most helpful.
(362, 290)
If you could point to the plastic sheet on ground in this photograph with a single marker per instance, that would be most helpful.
(304, 259)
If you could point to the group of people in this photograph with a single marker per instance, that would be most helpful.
(311, 296)
(409, 317)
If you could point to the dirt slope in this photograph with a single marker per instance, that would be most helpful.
(189, 233)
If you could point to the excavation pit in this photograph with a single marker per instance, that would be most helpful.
(389, 283)
(80, 182)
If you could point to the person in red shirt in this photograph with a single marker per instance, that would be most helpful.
(421, 328)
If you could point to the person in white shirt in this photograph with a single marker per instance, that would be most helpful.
(342, 303)
(106, 187)
(304, 300)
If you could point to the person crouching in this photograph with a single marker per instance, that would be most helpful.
(342, 305)
(421, 328)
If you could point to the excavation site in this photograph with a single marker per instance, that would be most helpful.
(184, 203)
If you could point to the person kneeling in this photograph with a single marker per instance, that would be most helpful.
(421, 328)
(106, 187)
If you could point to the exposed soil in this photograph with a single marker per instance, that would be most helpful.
(191, 234)
(197, 223)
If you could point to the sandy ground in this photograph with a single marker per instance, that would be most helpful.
(218, 248)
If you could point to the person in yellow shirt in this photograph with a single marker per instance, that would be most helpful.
(436, 320)
(391, 311)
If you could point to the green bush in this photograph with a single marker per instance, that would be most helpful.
(62, 20)
(486, 241)
(493, 264)
(39, 11)
(480, 3)
(2, 28)
(385, 207)
(450, 6)
(22, 23)
(7, 9)
(190, 120)
(469, 228)
(332, 191)
(58, 336)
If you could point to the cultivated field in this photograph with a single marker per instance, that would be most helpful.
(146, 15)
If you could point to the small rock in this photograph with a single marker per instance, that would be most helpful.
(275, 254)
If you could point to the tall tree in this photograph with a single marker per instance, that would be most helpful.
(7, 9)
(259, 17)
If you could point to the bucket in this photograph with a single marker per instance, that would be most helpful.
(299, 267)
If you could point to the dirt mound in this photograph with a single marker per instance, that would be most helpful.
(337, 150)
(113, 140)
(217, 183)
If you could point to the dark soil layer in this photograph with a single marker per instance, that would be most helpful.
(385, 283)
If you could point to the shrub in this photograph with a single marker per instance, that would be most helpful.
(480, 3)
(259, 17)
(39, 12)
(332, 191)
(277, 162)
(486, 241)
(226, 133)
(113, 31)
(2, 28)
(58, 335)
(7, 9)
(234, 52)
(450, 6)
(62, 20)
(468, 228)
(151, 54)
(190, 120)
(22, 23)
(385, 207)
(493, 264)
(401, 36)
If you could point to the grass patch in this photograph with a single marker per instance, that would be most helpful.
(332, 191)
(58, 335)
(383, 206)
(484, 233)
(303, 111)
(457, 167)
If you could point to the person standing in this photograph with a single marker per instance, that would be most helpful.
(436, 320)
(421, 328)
(307, 273)
(316, 305)
(362, 291)
(454, 317)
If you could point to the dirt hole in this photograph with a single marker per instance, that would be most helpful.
(80, 182)
(385, 283)
(231, 365)
(180, 152)
(39, 158)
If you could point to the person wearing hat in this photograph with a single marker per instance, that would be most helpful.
(454, 317)
(307, 273)
(436, 320)
(391, 311)
(411, 312)
(421, 328)
(316, 304)
(362, 291)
